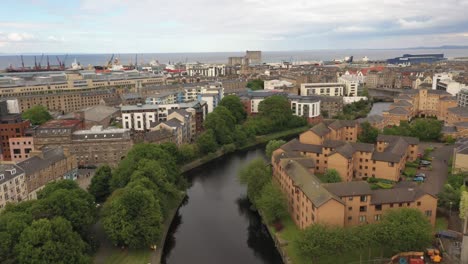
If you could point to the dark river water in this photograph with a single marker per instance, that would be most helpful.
(215, 224)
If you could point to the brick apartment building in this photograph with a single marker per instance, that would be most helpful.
(341, 204)
(11, 126)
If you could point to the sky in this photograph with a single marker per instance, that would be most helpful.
(138, 26)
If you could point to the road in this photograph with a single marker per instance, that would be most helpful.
(436, 178)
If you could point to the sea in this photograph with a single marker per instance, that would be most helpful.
(222, 57)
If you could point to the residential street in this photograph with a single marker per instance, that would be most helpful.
(436, 178)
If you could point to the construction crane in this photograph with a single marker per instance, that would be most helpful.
(64, 60)
(35, 63)
(109, 63)
(22, 63)
(59, 61)
(40, 61)
(48, 63)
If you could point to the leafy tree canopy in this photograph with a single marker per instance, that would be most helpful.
(255, 175)
(206, 142)
(37, 114)
(256, 84)
(272, 202)
(331, 176)
(51, 241)
(368, 133)
(235, 106)
(272, 146)
(100, 184)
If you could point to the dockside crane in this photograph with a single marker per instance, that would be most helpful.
(109, 63)
(40, 61)
(22, 63)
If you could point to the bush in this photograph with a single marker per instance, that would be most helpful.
(229, 148)
(372, 180)
(383, 185)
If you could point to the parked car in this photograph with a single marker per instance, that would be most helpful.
(423, 175)
(418, 179)
(424, 163)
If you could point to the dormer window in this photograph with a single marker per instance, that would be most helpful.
(2, 177)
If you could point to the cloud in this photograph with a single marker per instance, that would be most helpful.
(56, 39)
(19, 37)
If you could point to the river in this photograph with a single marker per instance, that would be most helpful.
(215, 224)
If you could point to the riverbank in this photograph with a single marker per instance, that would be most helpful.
(110, 254)
(258, 141)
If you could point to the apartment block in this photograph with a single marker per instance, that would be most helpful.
(11, 126)
(351, 85)
(12, 185)
(334, 146)
(460, 156)
(20, 148)
(328, 89)
(100, 146)
(47, 165)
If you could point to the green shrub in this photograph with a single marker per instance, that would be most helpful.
(372, 180)
(383, 185)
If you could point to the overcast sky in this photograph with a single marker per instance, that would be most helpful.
(132, 26)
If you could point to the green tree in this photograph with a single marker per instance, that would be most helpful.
(187, 153)
(12, 224)
(235, 106)
(100, 184)
(368, 133)
(51, 241)
(255, 175)
(256, 84)
(404, 229)
(37, 114)
(132, 217)
(331, 176)
(127, 166)
(75, 205)
(272, 146)
(272, 203)
(276, 108)
(319, 241)
(223, 123)
(426, 129)
(206, 142)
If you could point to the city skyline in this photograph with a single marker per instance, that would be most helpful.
(85, 26)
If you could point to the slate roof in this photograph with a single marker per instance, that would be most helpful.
(9, 171)
(461, 124)
(402, 103)
(365, 147)
(320, 129)
(398, 111)
(391, 138)
(395, 149)
(398, 195)
(448, 98)
(460, 111)
(344, 189)
(307, 182)
(174, 122)
(36, 163)
(342, 123)
(295, 145)
(371, 119)
(99, 112)
(328, 143)
(449, 129)
(439, 92)
(404, 97)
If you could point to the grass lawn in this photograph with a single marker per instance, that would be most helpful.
(290, 233)
(140, 256)
(441, 224)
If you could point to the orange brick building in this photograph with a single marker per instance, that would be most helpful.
(340, 204)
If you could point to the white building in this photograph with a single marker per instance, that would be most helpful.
(352, 99)
(329, 89)
(450, 86)
(306, 106)
(277, 84)
(207, 70)
(351, 84)
(440, 77)
(462, 98)
(140, 117)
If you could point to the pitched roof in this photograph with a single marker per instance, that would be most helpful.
(342, 123)
(36, 163)
(398, 111)
(402, 103)
(371, 119)
(461, 111)
(328, 143)
(307, 182)
(157, 135)
(365, 147)
(397, 195)
(345, 150)
(392, 138)
(99, 112)
(9, 171)
(343, 189)
(320, 129)
(296, 145)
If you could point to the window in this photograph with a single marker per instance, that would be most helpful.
(377, 217)
(350, 198)
(362, 208)
(419, 203)
(400, 205)
(363, 198)
(350, 208)
(362, 218)
(391, 164)
(378, 207)
(428, 213)
(350, 218)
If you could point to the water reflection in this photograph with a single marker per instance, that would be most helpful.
(216, 224)
(259, 238)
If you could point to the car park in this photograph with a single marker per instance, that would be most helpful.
(424, 163)
(423, 175)
(418, 179)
